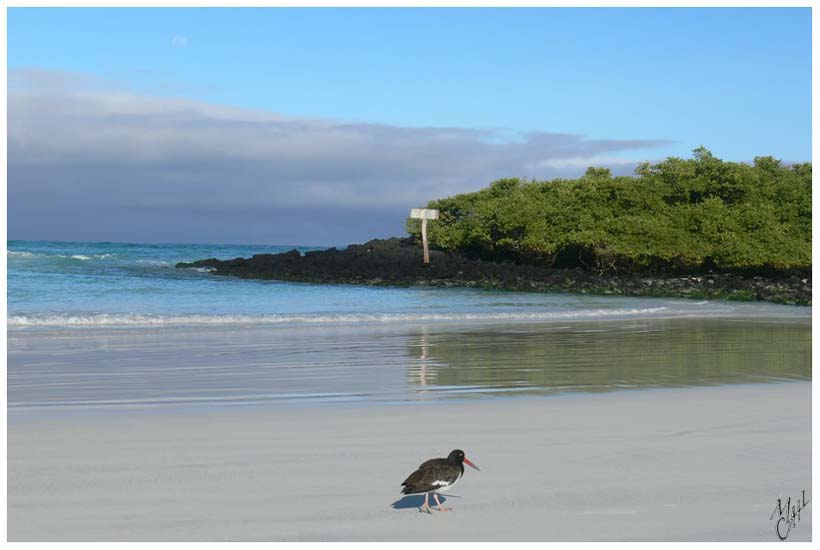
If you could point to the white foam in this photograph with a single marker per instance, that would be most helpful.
(157, 263)
(92, 257)
(113, 319)
(26, 254)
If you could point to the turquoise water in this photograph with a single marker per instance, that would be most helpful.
(54, 284)
(108, 326)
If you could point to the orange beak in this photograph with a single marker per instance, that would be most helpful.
(468, 463)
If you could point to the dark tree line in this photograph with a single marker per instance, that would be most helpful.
(676, 215)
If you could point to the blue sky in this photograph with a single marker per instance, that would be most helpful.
(656, 82)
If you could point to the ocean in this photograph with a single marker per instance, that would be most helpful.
(113, 326)
(54, 284)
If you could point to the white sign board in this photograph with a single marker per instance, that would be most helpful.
(424, 213)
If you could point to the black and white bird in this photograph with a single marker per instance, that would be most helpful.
(436, 475)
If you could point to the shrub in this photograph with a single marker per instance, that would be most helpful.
(678, 214)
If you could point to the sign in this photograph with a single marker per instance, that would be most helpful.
(425, 214)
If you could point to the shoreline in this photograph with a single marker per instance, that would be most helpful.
(705, 463)
(120, 322)
(26, 419)
(97, 370)
(398, 262)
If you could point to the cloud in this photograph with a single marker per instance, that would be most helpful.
(179, 41)
(76, 140)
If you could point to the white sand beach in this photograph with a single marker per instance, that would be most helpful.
(262, 264)
(703, 463)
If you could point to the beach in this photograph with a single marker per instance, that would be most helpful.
(147, 403)
(661, 464)
(264, 266)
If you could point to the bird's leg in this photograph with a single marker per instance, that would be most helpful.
(425, 507)
(440, 509)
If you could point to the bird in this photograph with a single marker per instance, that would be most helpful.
(435, 475)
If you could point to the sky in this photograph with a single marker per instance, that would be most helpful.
(325, 126)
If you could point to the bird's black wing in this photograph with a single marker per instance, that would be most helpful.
(430, 476)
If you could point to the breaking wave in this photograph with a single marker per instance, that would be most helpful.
(109, 319)
(84, 257)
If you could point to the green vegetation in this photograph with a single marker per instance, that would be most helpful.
(677, 215)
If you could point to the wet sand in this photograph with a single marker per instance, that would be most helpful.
(697, 463)
(108, 369)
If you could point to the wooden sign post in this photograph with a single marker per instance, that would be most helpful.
(425, 214)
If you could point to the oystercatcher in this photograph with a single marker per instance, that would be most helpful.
(435, 475)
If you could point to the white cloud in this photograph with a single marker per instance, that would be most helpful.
(89, 140)
(179, 41)
(583, 162)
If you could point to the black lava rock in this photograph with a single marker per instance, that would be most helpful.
(398, 262)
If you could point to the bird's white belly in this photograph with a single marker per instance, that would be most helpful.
(442, 484)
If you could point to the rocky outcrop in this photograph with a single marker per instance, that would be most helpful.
(398, 262)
